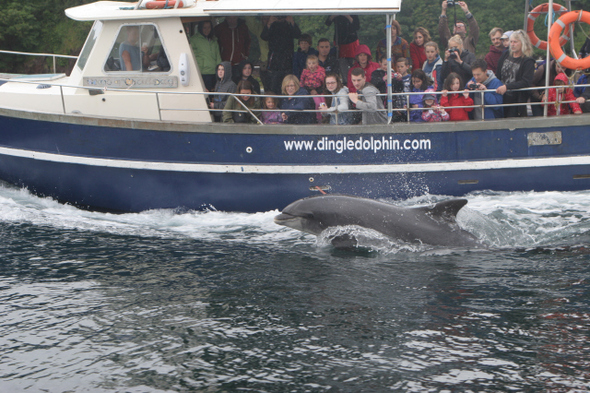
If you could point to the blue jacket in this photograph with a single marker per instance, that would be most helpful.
(490, 98)
(416, 116)
(299, 103)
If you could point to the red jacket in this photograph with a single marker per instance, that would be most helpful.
(371, 66)
(568, 95)
(234, 44)
(457, 99)
(492, 57)
(418, 55)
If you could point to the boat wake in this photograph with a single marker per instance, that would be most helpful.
(526, 220)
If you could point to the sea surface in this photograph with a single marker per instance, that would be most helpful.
(183, 301)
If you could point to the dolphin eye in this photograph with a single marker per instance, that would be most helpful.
(310, 215)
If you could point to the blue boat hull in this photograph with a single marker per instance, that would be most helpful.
(126, 166)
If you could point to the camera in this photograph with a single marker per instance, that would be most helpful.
(454, 52)
(473, 86)
(451, 3)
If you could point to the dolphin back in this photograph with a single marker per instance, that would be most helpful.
(445, 211)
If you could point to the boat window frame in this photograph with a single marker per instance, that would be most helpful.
(141, 71)
(86, 51)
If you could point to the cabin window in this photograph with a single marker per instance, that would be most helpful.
(94, 33)
(138, 48)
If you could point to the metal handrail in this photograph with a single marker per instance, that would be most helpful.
(262, 96)
(54, 56)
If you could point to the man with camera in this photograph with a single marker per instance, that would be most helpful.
(484, 79)
(469, 42)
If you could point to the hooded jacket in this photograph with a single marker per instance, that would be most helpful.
(371, 105)
(234, 44)
(206, 52)
(433, 70)
(557, 108)
(225, 85)
(238, 78)
(492, 57)
(369, 68)
(490, 98)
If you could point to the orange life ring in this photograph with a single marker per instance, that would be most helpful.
(555, 47)
(530, 26)
(159, 4)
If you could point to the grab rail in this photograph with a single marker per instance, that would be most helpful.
(408, 109)
(54, 56)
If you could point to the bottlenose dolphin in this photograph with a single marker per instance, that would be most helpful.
(433, 225)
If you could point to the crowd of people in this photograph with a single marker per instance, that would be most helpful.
(448, 84)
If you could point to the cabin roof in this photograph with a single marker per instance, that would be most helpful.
(118, 10)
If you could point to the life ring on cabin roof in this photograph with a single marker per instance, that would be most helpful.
(555, 46)
(530, 26)
(161, 4)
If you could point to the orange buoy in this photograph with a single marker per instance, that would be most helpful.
(530, 26)
(555, 46)
(160, 4)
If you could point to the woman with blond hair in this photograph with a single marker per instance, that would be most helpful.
(399, 46)
(516, 69)
(457, 59)
(417, 49)
(297, 99)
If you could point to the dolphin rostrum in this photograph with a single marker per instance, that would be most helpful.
(433, 225)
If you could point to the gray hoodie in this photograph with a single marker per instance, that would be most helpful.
(225, 85)
(371, 105)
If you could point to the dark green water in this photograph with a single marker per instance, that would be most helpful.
(219, 302)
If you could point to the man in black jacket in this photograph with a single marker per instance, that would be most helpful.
(280, 32)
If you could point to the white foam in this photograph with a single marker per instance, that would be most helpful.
(517, 219)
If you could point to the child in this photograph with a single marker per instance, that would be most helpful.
(435, 113)
(453, 83)
(312, 79)
(300, 57)
(313, 76)
(555, 96)
(402, 66)
(271, 103)
(420, 83)
(379, 80)
(433, 64)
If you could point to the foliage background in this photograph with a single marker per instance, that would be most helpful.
(41, 26)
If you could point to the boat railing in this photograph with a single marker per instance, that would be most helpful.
(53, 56)
(408, 109)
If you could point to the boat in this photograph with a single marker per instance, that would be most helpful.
(113, 140)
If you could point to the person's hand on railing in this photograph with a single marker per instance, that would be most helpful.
(501, 90)
(466, 93)
(580, 100)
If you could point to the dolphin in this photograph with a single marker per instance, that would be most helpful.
(435, 225)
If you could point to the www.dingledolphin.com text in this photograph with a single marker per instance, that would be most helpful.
(369, 144)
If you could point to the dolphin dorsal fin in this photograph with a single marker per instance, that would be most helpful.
(447, 210)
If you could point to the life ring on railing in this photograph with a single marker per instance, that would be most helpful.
(160, 4)
(555, 47)
(530, 26)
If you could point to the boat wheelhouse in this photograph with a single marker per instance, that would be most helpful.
(106, 137)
